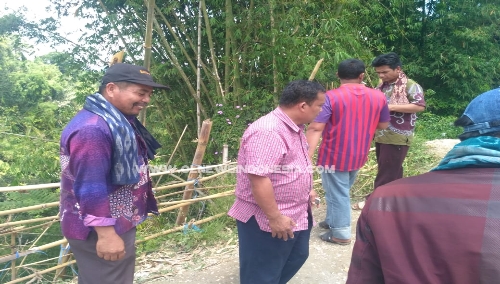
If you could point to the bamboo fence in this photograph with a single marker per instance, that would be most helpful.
(15, 228)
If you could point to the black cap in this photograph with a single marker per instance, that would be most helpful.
(123, 72)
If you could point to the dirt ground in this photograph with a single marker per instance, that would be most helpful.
(327, 263)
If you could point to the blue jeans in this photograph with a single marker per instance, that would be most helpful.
(338, 202)
(268, 260)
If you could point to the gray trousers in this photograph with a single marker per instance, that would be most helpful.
(95, 270)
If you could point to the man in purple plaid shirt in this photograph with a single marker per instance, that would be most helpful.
(442, 226)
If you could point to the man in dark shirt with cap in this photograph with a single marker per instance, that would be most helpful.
(106, 190)
(442, 226)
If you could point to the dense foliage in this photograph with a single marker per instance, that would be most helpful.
(249, 51)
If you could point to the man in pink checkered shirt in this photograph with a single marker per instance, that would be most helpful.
(274, 191)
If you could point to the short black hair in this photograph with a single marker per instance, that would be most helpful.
(351, 69)
(300, 91)
(466, 121)
(121, 86)
(390, 59)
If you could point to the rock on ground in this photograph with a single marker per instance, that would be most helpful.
(441, 146)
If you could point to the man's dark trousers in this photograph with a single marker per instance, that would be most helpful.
(390, 160)
(268, 260)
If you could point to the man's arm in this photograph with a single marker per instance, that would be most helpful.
(263, 193)
(313, 134)
(365, 263)
(110, 245)
(90, 162)
(406, 108)
(382, 125)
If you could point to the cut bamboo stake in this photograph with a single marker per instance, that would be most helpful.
(13, 274)
(316, 68)
(225, 153)
(203, 139)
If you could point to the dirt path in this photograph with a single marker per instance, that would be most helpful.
(327, 263)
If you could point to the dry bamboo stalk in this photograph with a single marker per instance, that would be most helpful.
(170, 208)
(29, 208)
(180, 228)
(173, 171)
(316, 68)
(22, 228)
(29, 221)
(148, 41)
(203, 139)
(32, 263)
(192, 182)
(177, 65)
(33, 250)
(29, 187)
(39, 237)
(200, 188)
(55, 185)
(41, 272)
(208, 30)
(181, 202)
(65, 258)
(173, 152)
(13, 274)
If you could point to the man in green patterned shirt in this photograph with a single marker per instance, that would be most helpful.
(405, 98)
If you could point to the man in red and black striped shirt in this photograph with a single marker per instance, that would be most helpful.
(441, 226)
(347, 123)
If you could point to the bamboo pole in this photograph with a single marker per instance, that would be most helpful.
(180, 228)
(39, 237)
(33, 250)
(225, 153)
(29, 187)
(56, 185)
(180, 171)
(191, 182)
(148, 41)
(189, 201)
(203, 139)
(29, 208)
(198, 73)
(41, 272)
(201, 188)
(13, 250)
(63, 259)
(220, 89)
(177, 65)
(16, 223)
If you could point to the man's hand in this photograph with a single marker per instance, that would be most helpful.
(312, 198)
(109, 245)
(282, 227)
